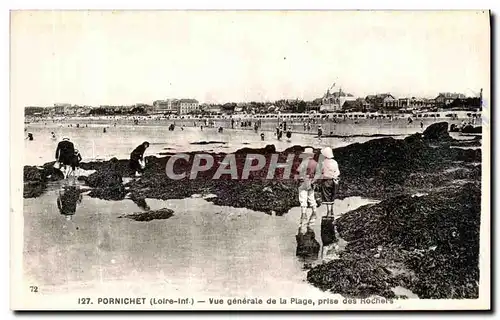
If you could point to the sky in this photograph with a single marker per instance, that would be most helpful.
(126, 57)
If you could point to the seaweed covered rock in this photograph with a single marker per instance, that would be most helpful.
(355, 276)
(32, 174)
(117, 192)
(448, 219)
(107, 182)
(265, 196)
(34, 182)
(106, 176)
(471, 129)
(435, 236)
(437, 132)
(35, 179)
(384, 166)
(160, 214)
(208, 142)
(268, 149)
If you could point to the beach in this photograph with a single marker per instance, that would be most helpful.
(226, 237)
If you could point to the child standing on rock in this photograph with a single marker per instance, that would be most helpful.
(328, 186)
(307, 171)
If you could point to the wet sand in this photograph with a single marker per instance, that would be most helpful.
(203, 249)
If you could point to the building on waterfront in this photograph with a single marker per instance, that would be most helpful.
(334, 101)
(389, 102)
(185, 106)
(164, 106)
(446, 98)
(415, 103)
(61, 108)
(177, 106)
(382, 101)
(354, 106)
(35, 111)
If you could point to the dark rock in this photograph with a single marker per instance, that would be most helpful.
(375, 135)
(150, 215)
(109, 193)
(471, 129)
(435, 236)
(355, 276)
(437, 132)
(32, 174)
(35, 182)
(104, 177)
(208, 142)
(269, 149)
(107, 182)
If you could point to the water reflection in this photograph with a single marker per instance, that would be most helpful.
(140, 202)
(328, 235)
(307, 245)
(68, 199)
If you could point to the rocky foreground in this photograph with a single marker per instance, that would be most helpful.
(429, 244)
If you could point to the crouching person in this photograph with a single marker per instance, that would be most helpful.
(137, 158)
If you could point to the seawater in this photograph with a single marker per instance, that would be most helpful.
(203, 250)
(119, 141)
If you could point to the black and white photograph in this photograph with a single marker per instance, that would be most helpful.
(250, 160)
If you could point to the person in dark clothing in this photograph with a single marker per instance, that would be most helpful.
(65, 154)
(320, 131)
(76, 160)
(67, 201)
(280, 134)
(137, 156)
(262, 136)
(30, 136)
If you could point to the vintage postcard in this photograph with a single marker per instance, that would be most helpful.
(250, 160)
